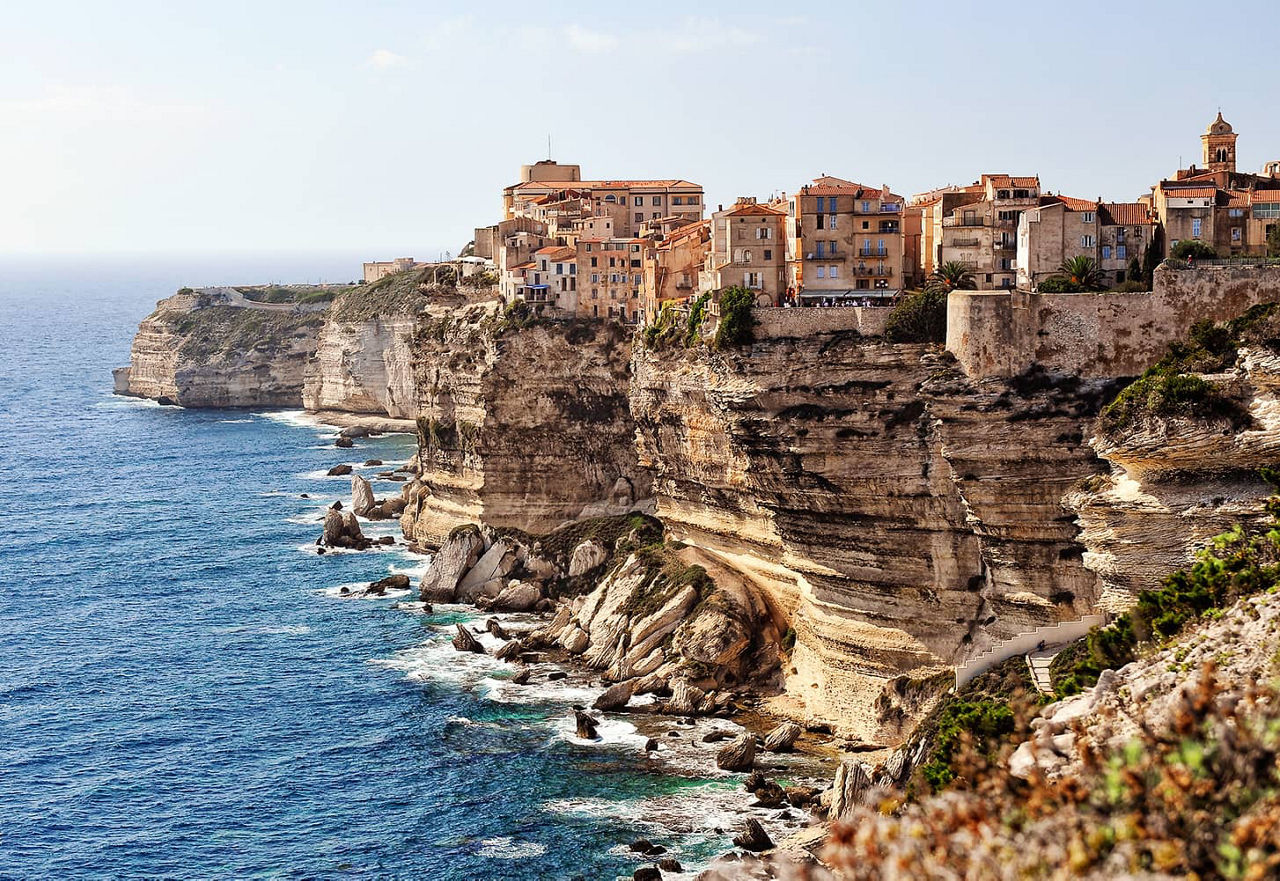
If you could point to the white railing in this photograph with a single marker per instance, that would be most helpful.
(1053, 634)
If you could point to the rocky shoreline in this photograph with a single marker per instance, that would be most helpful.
(589, 614)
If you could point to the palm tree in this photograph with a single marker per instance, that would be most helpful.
(951, 276)
(1083, 271)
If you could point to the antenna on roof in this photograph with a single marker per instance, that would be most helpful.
(548, 145)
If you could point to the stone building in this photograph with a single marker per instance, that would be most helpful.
(747, 250)
(1110, 233)
(983, 233)
(381, 269)
(671, 270)
(845, 240)
(611, 274)
(629, 203)
(1231, 211)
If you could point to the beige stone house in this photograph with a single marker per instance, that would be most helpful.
(1110, 233)
(672, 266)
(982, 233)
(845, 240)
(747, 250)
(610, 276)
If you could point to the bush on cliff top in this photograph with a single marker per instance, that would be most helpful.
(736, 321)
(219, 331)
(918, 317)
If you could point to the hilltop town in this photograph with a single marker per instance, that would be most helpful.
(620, 249)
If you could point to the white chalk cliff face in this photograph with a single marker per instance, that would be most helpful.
(900, 517)
(1176, 483)
(198, 351)
(363, 366)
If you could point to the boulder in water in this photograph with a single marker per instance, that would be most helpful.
(853, 779)
(646, 873)
(362, 500)
(782, 738)
(586, 725)
(339, 471)
(740, 755)
(369, 462)
(509, 651)
(753, 836)
(615, 697)
(518, 596)
(391, 582)
(667, 864)
(344, 442)
(521, 676)
(464, 641)
(456, 556)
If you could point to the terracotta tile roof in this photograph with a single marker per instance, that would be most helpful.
(683, 232)
(557, 252)
(1124, 214)
(603, 184)
(529, 265)
(1190, 192)
(1072, 203)
(1237, 199)
(754, 209)
(1266, 196)
(1004, 180)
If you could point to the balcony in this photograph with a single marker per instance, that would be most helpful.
(964, 221)
(888, 226)
(826, 255)
(873, 252)
(1003, 245)
(873, 272)
(963, 243)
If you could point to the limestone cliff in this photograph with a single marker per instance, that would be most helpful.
(1176, 480)
(521, 423)
(364, 358)
(900, 516)
(215, 348)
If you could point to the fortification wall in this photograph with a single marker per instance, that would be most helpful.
(803, 321)
(995, 334)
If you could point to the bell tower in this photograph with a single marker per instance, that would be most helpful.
(1219, 146)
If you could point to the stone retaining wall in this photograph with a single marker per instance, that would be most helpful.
(1002, 333)
(776, 323)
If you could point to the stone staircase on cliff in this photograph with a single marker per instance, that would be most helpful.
(1035, 642)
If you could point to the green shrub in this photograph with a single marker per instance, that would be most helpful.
(918, 317)
(736, 322)
(1058, 284)
(1192, 248)
(1166, 392)
(697, 315)
(1130, 286)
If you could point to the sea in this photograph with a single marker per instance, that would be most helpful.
(186, 692)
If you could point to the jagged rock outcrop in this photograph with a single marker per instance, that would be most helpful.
(1175, 483)
(342, 530)
(215, 348)
(361, 494)
(900, 516)
(519, 424)
(456, 556)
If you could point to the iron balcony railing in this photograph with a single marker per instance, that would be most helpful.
(873, 271)
(825, 255)
(964, 221)
(964, 243)
(873, 252)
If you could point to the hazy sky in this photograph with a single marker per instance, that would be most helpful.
(391, 127)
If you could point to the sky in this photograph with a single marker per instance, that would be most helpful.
(390, 128)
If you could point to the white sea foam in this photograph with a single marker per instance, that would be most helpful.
(297, 418)
(267, 630)
(112, 402)
(235, 421)
(506, 848)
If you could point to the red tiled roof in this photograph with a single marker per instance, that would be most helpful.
(1124, 214)
(1004, 180)
(1190, 192)
(602, 184)
(1072, 203)
(557, 252)
(754, 209)
(1237, 199)
(1266, 196)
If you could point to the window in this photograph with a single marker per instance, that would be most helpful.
(822, 272)
(1006, 263)
(866, 207)
(1086, 217)
(866, 224)
(764, 232)
(754, 280)
(1086, 241)
(611, 199)
(657, 200)
(1235, 235)
(638, 200)
(595, 279)
(639, 217)
(831, 221)
(1019, 194)
(1236, 212)
(635, 264)
(819, 222)
(1106, 252)
(822, 249)
(1266, 211)
(768, 254)
(595, 261)
(1122, 251)
(1195, 227)
(635, 279)
(677, 200)
(1002, 194)
(656, 215)
(834, 271)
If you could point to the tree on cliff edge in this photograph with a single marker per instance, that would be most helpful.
(951, 276)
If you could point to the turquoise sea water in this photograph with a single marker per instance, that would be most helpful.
(182, 694)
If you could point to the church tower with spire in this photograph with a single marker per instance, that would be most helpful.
(1219, 146)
